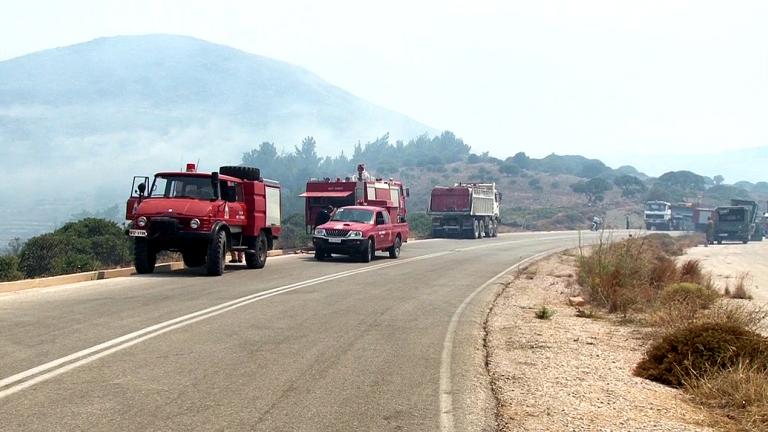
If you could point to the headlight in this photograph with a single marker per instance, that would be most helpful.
(319, 231)
(355, 234)
(141, 221)
(194, 223)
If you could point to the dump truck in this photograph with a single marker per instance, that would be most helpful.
(658, 215)
(204, 216)
(469, 210)
(737, 222)
(360, 189)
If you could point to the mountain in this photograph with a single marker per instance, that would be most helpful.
(76, 122)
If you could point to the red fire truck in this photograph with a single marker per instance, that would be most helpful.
(360, 190)
(204, 216)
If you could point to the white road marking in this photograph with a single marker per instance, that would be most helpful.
(446, 387)
(64, 364)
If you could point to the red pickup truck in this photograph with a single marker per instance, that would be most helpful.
(359, 231)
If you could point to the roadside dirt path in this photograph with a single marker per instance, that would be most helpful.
(570, 373)
(729, 260)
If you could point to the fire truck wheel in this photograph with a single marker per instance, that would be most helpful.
(217, 251)
(241, 172)
(258, 258)
(394, 250)
(370, 251)
(194, 257)
(144, 256)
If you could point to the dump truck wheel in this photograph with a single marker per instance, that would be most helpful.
(217, 251)
(144, 256)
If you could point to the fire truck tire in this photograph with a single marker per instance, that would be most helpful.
(258, 258)
(194, 257)
(394, 250)
(241, 172)
(217, 251)
(144, 256)
(370, 251)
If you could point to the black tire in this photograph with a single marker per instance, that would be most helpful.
(745, 241)
(494, 229)
(370, 251)
(719, 242)
(144, 256)
(394, 250)
(258, 258)
(217, 251)
(241, 172)
(487, 227)
(320, 254)
(194, 257)
(476, 229)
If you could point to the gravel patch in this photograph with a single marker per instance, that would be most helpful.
(570, 373)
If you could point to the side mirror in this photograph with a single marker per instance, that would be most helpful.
(215, 184)
(141, 188)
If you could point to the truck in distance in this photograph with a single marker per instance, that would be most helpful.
(204, 216)
(658, 215)
(469, 210)
(736, 222)
(360, 231)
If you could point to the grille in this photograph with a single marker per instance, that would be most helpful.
(336, 232)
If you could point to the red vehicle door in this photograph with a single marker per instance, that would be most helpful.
(383, 230)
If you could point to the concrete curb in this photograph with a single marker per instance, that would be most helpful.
(25, 284)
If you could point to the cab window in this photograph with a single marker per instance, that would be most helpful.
(382, 218)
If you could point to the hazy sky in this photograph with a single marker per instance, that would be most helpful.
(619, 80)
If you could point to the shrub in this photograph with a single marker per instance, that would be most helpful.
(739, 290)
(84, 245)
(544, 313)
(701, 348)
(9, 268)
(694, 295)
(690, 271)
(740, 392)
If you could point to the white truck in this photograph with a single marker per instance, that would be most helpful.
(658, 216)
(469, 210)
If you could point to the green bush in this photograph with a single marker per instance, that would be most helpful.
(9, 268)
(699, 349)
(84, 245)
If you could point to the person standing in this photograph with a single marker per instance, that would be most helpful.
(710, 231)
(323, 216)
(627, 221)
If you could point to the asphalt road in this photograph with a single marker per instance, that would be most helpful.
(392, 345)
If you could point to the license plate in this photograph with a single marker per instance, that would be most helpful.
(137, 233)
(334, 240)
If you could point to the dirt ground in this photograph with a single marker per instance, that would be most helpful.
(570, 373)
(728, 261)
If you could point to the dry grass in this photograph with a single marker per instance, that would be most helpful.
(738, 393)
(739, 289)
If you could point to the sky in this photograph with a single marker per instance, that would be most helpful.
(628, 82)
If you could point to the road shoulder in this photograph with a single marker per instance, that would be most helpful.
(571, 373)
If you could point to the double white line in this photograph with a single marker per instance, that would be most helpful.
(44, 372)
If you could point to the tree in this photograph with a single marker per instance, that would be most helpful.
(14, 246)
(686, 181)
(593, 189)
(520, 159)
(630, 186)
(718, 179)
(509, 169)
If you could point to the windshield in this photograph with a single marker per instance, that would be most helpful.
(731, 215)
(353, 215)
(182, 187)
(656, 207)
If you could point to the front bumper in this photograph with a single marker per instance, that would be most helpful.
(337, 245)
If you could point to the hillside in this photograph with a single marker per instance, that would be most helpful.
(77, 122)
